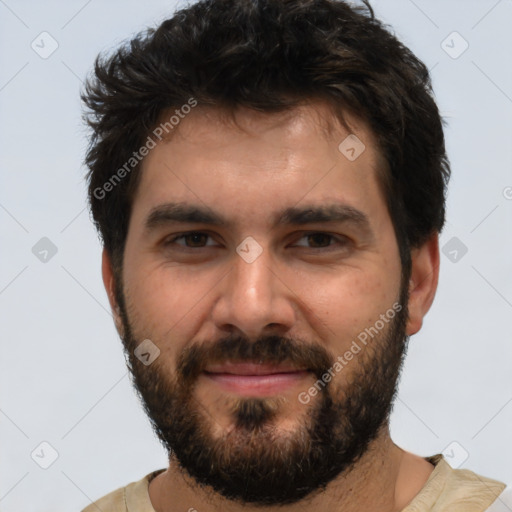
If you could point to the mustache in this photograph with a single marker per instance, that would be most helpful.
(267, 349)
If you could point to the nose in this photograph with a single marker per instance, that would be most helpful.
(254, 299)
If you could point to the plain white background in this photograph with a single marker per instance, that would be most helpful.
(63, 379)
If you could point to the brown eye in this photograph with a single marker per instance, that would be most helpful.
(193, 240)
(196, 239)
(320, 240)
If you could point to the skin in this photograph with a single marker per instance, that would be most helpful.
(176, 295)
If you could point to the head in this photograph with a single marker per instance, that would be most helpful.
(269, 187)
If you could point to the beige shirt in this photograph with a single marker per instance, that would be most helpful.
(446, 490)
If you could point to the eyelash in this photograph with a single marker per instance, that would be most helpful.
(343, 241)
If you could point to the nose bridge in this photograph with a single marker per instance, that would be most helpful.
(251, 280)
(252, 297)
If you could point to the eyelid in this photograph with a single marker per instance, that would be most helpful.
(172, 239)
(340, 239)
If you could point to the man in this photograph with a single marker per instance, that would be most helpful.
(268, 178)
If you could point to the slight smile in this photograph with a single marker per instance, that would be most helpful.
(253, 379)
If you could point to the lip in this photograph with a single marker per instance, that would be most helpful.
(253, 379)
(250, 368)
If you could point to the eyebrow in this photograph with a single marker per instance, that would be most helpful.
(292, 216)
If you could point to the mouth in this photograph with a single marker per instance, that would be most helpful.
(254, 379)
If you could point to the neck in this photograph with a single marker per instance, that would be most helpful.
(385, 478)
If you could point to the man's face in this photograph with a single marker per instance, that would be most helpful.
(250, 314)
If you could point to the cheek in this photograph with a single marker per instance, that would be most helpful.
(345, 303)
(164, 304)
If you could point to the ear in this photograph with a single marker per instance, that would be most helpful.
(423, 282)
(109, 283)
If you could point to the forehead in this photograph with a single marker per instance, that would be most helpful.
(236, 161)
(212, 125)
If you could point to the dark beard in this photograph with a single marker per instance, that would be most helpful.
(256, 462)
